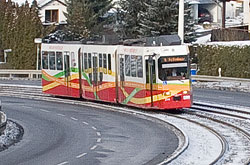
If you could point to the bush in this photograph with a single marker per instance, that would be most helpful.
(234, 61)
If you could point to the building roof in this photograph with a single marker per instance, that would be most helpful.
(206, 1)
(42, 3)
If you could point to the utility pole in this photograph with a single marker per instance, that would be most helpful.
(246, 13)
(223, 13)
(181, 21)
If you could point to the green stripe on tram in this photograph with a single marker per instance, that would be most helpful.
(60, 74)
(90, 84)
(131, 95)
(45, 78)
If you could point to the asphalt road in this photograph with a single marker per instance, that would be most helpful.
(69, 134)
(222, 97)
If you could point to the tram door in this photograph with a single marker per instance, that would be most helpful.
(95, 81)
(121, 78)
(67, 72)
(150, 78)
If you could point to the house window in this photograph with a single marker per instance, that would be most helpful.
(51, 16)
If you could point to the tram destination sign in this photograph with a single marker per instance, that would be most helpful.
(174, 59)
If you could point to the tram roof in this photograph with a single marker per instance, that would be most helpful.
(163, 40)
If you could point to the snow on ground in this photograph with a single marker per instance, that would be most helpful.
(11, 134)
(204, 147)
(203, 39)
(230, 86)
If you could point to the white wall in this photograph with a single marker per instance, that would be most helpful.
(52, 6)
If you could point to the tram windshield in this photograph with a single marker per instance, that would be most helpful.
(173, 68)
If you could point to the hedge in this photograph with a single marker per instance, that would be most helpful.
(234, 61)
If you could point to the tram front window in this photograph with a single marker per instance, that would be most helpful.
(173, 74)
(173, 68)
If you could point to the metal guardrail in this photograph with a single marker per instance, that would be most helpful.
(3, 119)
(11, 73)
(218, 79)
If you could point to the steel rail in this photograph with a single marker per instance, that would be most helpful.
(222, 108)
(242, 131)
(220, 113)
(223, 141)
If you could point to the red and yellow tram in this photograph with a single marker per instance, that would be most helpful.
(154, 77)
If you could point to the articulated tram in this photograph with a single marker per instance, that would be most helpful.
(149, 77)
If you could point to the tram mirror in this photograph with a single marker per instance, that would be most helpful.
(150, 60)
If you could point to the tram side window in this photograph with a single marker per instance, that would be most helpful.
(89, 60)
(85, 61)
(90, 66)
(105, 63)
(122, 69)
(127, 65)
(59, 61)
(52, 60)
(45, 60)
(109, 61)
(100, 60)
(133, 66)
(100, 67)
(139, 66)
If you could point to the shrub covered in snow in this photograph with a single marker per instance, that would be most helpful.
(12, 134)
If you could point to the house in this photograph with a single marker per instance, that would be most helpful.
(51, 11)
(213, 8)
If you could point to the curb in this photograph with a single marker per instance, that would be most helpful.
(3, 119)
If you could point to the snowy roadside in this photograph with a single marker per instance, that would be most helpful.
(12, 134)
(229, 86)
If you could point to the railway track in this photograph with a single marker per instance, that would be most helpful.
(228, 126)
(233, 123)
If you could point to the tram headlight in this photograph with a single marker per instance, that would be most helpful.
(185, 92)
(167, 93)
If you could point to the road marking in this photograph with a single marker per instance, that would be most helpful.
(81, 155)
(73, 118)
(85, 123)
(24, 106)
(60, 114)
(98, 140)
(98, 133)
(44, 110)
(63, 163)
(94, 128)
(92, 148)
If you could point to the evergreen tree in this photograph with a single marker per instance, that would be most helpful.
(129, 18)
(19, 26)
(189, 30)
(147, 18)
(160, 18)
(85, 17)
(2, 23)
(27, 27)
(100, 15)
(78, 13)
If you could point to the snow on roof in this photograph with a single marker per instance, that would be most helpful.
(231, 43)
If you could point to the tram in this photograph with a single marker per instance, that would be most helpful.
(149, 77)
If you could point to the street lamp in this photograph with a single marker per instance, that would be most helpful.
(37, 41)
(5, 55)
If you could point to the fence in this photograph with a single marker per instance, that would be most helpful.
(218, 79)
(32, 74)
